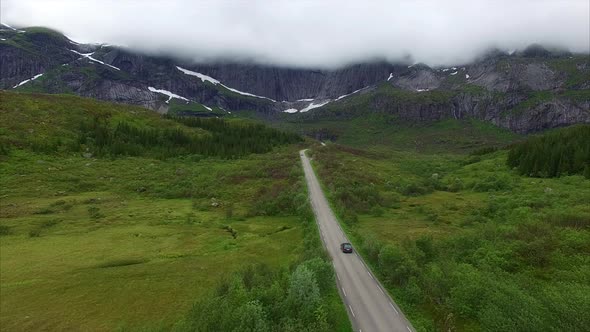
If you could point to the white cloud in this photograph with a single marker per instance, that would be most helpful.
(313, 33)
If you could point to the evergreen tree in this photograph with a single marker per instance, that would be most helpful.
(561, 152)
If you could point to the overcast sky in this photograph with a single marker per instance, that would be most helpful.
(313, 33)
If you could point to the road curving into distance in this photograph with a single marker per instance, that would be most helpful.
(369, 306)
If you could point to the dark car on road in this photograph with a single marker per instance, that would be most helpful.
(346, 248)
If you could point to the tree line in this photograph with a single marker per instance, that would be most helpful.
(561, 152)
(220, 138)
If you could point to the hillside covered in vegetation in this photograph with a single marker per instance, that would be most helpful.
(462, 240)
(114, 217)
(73, 124)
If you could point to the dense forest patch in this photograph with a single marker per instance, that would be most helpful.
(564, 151)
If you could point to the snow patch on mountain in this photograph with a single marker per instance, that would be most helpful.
(203, 77)
(346, 95)
(466, 75)
(206, 78)
(11, 28)
(308, 99)
(169, 94)
(390, 77)
(313, 105)
(8, 26)
(27, 80)
(89, 57)
(453, 73)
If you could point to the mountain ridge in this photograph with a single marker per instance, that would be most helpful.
(533, 82)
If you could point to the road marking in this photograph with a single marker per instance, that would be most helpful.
(337, 276)
(369, 273)
(408, 329)
(381, 290)
(352, 311)
(393, 308)
(343, 291)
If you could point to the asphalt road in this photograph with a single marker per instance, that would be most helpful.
(369, 306)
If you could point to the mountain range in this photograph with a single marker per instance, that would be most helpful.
(524, 91)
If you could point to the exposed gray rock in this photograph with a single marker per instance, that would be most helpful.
(488, 89)
(422, 79)
(538, 76)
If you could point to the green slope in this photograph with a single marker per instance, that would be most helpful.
(462, 241)
(95, 240)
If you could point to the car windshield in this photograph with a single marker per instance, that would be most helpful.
(347, 246)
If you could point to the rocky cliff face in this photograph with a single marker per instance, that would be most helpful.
(528, 91)
(513, 111)
(294, 84)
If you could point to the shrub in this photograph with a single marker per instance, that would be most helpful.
(483, 151)
(371, 246)
(322, 272)
(396, 265)
(260, 299)
(493, 183)
(304, 292)
(121, 262)
(5, 230)
(349, 217)
(569, 219)
(376, 211)
(49, 223)
(94, 212)
(230, 230)
(415, 189)
(426, 245)
(455, 185)
(44, 211)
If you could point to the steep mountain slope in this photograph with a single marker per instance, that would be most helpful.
(520, 111)
(523, 91)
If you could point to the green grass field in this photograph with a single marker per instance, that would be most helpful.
(89, 244)
(385, 132)
(99, 231)
(101, 243)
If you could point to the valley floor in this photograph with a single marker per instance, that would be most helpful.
(91, 244)
(463, 242)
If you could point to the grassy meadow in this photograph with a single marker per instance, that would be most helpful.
(381, 131)
(462, 240)
(118, 235)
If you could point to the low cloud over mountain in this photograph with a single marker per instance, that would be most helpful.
(327, 33)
